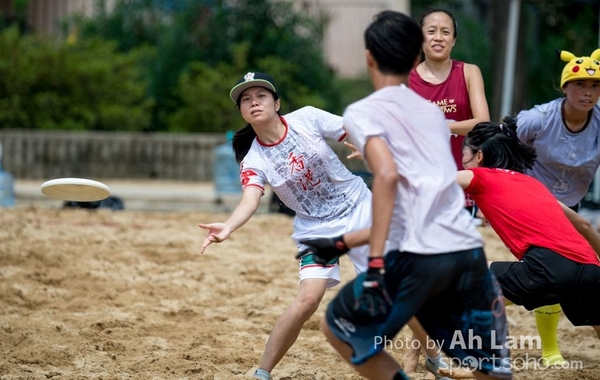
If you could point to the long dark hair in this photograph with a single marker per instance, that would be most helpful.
(501, 146)
(242, 140)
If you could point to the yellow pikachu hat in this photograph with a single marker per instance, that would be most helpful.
(579, 67)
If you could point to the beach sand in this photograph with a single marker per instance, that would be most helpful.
(99, 294)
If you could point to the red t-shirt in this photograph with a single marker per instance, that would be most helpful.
(452, 96)
(524, 213)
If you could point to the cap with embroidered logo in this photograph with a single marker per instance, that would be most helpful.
(252, 79)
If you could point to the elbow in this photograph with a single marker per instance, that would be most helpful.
(386, 178)
(584, 227)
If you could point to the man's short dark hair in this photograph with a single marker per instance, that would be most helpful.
(395, 41)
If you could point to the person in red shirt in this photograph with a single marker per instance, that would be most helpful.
(558, 260)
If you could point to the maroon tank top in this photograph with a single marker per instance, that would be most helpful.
(451, 96)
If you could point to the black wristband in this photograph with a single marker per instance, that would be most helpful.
(340, 244)
(376, 262)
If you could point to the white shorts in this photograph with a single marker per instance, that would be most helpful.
(358, 219)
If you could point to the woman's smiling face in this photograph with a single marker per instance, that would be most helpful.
(582, 94)
(438, 33)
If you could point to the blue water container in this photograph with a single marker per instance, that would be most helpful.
(226, 170)
(7, 189)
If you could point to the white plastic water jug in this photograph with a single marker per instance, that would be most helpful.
(226, 172)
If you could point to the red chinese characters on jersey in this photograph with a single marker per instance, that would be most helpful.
(296, 164)
(308, 175)
(245, 176)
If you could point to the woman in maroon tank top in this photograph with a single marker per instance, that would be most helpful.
(456, 87)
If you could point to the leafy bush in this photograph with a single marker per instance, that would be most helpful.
(206, 107)
(204, 46)
(89, 85)
(204, 93)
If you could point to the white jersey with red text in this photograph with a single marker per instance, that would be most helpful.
(303, 170)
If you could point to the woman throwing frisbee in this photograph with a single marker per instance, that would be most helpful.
(290, 153)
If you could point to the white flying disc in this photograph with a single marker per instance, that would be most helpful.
(75, 189)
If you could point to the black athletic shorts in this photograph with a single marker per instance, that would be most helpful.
(544, 277)
(453, 295)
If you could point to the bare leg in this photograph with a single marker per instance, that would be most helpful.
(411, 358)
(288, 326)
(380, 367)
(430, 347)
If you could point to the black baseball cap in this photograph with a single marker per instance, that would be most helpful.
(252, 79)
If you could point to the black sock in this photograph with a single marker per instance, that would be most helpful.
(400, 376)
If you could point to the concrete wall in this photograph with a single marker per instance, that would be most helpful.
(52, 154)
(43, 155)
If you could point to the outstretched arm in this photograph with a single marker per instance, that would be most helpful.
(584, 227)
(217, 232)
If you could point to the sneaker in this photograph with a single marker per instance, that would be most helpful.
(262, 374)
(457, 373)
(433, 368)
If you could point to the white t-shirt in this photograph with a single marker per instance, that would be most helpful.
(303, 170)
(429, 215)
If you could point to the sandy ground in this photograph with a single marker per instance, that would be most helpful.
(126, 295)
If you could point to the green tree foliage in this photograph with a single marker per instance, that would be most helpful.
(50, 85)
(204, 46)
(206, 106)
(551, 25)
(17, 17)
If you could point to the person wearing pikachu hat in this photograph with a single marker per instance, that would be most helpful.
(565, 132)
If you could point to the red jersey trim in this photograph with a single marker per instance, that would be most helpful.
(343, 137)
(257, 186)
(281, 139)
